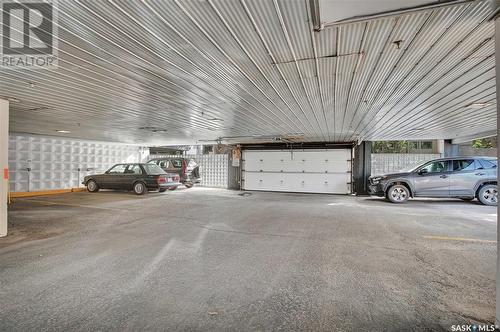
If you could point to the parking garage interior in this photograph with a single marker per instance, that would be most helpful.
(289, 108)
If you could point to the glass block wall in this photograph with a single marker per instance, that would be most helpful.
(43, 163)
(213, 168)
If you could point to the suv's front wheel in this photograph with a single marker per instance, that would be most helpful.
(398, 193)
(488, 194)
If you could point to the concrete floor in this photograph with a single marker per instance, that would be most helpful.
(205, 259)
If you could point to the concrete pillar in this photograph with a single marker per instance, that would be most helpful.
(450, 149)
(440, 147)
(496, 5)
(4, 164)
(361, 169)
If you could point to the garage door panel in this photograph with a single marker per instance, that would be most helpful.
(298, 161)
(258, 160)
(313, 171)
(290, 182)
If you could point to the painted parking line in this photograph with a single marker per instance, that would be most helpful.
(72, 205)
(446, 238)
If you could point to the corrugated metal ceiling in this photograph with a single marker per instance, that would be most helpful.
(203, 69)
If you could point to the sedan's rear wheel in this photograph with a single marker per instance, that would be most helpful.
(140, 188)
(398, 193)
(162, 190)
(488, 194)
(92, 186)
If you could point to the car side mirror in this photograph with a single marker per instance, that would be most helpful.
(423, 171)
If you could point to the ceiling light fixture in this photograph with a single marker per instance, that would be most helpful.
(63, 131)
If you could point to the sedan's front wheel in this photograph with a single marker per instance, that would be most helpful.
(488, 194)
(140, 188)
(398, 193)
(92, 186)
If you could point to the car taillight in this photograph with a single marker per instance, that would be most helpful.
(184, 166)
(161, 179)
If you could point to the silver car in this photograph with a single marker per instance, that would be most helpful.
(466, 178)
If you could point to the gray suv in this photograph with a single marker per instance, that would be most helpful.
(460, 177)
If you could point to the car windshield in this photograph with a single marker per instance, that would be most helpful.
(153, 169)
(413, 167)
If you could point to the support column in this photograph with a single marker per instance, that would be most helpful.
(440, 147)
(361, 169)
(450, 149)
(4, 164)
(496, 5)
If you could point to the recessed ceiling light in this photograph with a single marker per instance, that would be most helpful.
(63, 131)
(479, 105)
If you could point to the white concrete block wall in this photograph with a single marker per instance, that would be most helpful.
(382, 163)
(60, 163)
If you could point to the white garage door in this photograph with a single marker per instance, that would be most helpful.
(311, 171)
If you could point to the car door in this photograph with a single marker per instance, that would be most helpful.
(433, 179)
(114, 177)
(465, 174)
(132, 173)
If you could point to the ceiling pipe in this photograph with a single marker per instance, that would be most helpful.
(410, 10)
(273, 59)
(318, 74)
(284, 30)
(232, 60)
(259, 69)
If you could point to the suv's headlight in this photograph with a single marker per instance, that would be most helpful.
(377, 179)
